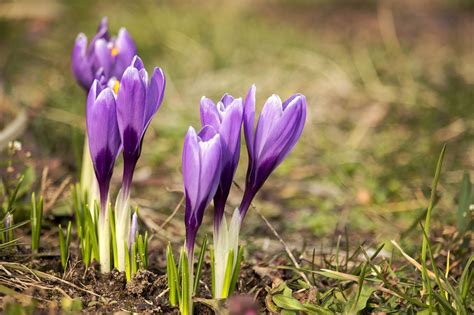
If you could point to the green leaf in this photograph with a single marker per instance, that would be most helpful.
(358, 301)
(465, 283)
(134, 259)
(142, 247)
(12, 197)
(465, 197)
(228, 274)
(68, 234)
(316, 309)
(199, 265)
(62, 247)
(235, 275)
(172, 276)
(128, 266)
(360, 284)
(36, 221)
(186, 300)
(434, 185)
(213, 273)
(288, 303)
(113, 238)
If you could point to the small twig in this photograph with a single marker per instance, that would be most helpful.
(57, 193)
(14, 129)
(62, 292)
(163, 292)
(287, 249)
(45, 275)
(44, 181)
(414, 262)
(170, 217)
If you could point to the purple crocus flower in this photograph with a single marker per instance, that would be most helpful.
(278, 129)
(226, 118)
(111, 54)
(138, 100)
(201, 172)
(103, 133)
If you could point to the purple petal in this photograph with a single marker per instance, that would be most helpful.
(209, 114)
(81, 65)
(137, 63)
(207, 133)
(154, 94)
(284, 134)
(201, 172)
(227, 99)
(300, 103)
(102, 57)
(130, 112)
(271, 113)
(210, 151)
(103, 26)
(191, 168)
(278, 130)
(230, 139)
(249, 120)
(290, 99)
(104, 139)
(126, 51)
(230, 131)
(102, 33)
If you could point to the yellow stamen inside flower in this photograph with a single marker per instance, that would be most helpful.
(114, 52)
(116, 86)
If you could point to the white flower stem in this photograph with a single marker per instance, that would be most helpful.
(226, 238)
(88, 181)
(104, 240)
(122, 227)
(190, 282)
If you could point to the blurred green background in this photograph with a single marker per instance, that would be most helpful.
(387, 84)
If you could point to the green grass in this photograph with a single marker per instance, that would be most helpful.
(381, 104)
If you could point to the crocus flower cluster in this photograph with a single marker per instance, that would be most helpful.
(122, 100)
(118, 114)
(278, 129)
(105, 55)
(104, 59)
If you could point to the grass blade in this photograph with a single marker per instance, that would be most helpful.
(465, 195)
(430, 209)
(235, 275)
(199, 265)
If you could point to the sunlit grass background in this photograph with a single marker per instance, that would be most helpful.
(386, 84)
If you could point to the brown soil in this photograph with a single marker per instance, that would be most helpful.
(41, 278)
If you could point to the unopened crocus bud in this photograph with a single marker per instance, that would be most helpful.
(226, 118)
(278, 129)
(111, 54)
(133, 231)
(139, 98)
(8, 224)
(103, 133)
(104, 146)
(201, 173)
